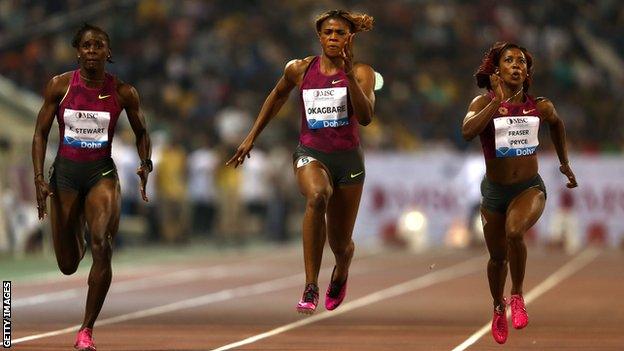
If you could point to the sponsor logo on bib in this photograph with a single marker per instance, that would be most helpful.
(516, 136)
(86, 129)
(325, 108)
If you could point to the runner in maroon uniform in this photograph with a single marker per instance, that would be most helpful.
(84, 187)
(507, 121)
(336, 95)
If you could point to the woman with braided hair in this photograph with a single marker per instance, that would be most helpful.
(336, 95)
(507, 119)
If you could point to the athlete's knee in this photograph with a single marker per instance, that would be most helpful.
(515, 232)
(498, 259)
(68, 266)
(318, 200)
(101, 247)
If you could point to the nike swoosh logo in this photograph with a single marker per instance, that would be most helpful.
(337, 81)
(357, 174)
(103, 96)
(527, 111)
(105, 173)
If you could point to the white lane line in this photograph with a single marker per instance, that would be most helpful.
(573, 266)
(467, 267)
(227, 294)
(172, 278)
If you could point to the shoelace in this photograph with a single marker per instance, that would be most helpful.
(311, 293)
(334, 289)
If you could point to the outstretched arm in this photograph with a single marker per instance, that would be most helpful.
(52, 95)
(130, 101)
(557, 135)
(271, 106)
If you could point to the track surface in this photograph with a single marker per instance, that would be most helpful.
(396, 300)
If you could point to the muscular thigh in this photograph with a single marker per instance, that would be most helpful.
(102, 206)
(313, 178)
(524, 210)
(66, 213)
(494, 231)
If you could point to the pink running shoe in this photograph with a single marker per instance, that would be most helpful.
(335, 292)
(309, 300)
(84, 340)
(519, 316)
(499, 325)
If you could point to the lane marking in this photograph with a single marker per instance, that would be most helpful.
(218, 296)
(573, 266)
(469, 266)
(172, 278)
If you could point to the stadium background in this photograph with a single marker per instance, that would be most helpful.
(203, 69)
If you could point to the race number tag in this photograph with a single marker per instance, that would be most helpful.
(516, 135)
(304, 160)
(86, 129)
(326, 108)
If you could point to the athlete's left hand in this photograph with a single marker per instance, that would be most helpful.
(143, 173)
(347, 55)
(567, 171)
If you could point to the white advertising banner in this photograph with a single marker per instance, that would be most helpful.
(445, 186)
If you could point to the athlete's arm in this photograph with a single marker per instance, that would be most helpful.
(482, 108)
(362, 92)
(548, 113)
(293, 74)
(129, 98)
(52, 95)
(480, 113)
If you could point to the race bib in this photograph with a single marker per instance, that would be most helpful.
(86, 129)
(326, 108)
(516, 135)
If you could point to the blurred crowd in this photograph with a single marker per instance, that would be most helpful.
(195, 61)
(203, 69)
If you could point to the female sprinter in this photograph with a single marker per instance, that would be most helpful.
(336, 95)
(507, 121)
(84, 188)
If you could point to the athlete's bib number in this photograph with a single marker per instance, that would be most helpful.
(326, 107)
(516, 135)
(86, 129)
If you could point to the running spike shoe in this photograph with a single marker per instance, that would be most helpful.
(84, 340)
(309, 300)
(519, 316)
(336, 292)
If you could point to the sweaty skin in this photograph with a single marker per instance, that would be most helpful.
(100, 208)
(339, 205)
(504, 232)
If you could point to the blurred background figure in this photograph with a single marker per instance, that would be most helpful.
(202, 164)
(171, 184)
(204, 67)
(564, 225)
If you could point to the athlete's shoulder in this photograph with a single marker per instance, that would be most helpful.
(363, 66)
(126, 92)
(61, 80)
(57, 86)
(298, 65)
(484, 98)
(295, 68)
(544, 105)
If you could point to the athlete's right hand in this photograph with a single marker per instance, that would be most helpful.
(497, 87)
(43, 191)
(242, 151)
